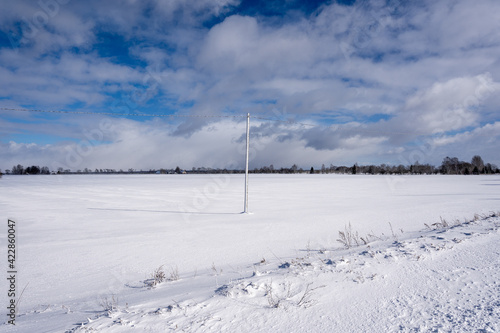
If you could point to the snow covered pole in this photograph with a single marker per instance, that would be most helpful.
(246, 164)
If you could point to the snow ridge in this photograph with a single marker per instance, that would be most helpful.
(442, 279)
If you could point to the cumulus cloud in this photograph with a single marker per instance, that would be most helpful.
(376, 77)
(447, 106)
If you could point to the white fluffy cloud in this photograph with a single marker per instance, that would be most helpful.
(388, 75)
(447, 106)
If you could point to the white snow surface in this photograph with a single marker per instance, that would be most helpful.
(89, 244)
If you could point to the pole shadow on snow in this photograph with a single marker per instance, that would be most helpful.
(162, 211)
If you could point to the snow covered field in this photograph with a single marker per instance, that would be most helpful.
(88, 245)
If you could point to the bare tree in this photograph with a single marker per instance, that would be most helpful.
(478, 164)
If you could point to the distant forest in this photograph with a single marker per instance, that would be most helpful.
(449, 166)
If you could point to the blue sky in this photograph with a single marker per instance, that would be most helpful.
(382, 81)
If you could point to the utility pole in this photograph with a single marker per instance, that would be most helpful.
(246, 164)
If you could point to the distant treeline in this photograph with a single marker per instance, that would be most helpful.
(449, 166)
